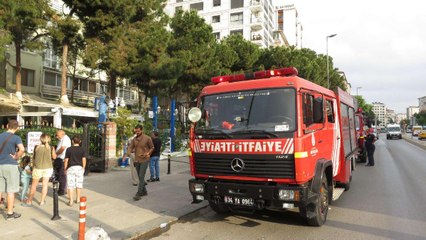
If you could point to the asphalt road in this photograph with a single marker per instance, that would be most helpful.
(387, 201)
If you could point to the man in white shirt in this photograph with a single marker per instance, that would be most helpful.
(64, 142)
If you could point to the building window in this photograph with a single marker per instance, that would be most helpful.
(237, 4)
(197, 6)
(50, 59)
(239, 31)
(92, 87)
(27, 77)
(237, 18)
(216, 19)
(216, 35)
(178, 1)
(216, 3)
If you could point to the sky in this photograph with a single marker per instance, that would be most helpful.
(380, 45)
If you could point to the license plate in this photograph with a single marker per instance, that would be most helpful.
(239, 201)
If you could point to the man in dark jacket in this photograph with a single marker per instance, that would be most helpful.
(154, 162)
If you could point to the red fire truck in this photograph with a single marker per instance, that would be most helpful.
(271, 140)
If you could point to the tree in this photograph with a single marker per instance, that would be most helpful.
(309, 64)
(25, 21)
(65, 34)
(113, 30)
(367, 109)
(247, 52)
(420, 118)
(194, 44)
(5, 37)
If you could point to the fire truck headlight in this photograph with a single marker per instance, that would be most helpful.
(285, 194)
(197, 188)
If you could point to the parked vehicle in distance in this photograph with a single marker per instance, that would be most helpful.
(393, 131)
(416, 130)
(422, 135)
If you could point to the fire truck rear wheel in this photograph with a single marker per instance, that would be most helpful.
(321, 206)
(219, 208)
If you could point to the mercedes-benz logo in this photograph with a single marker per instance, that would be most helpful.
(237, 164)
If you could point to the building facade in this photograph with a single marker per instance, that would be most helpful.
(287, 20)
(410, 114)
(379, 109)
(253, 19)
(422, 104)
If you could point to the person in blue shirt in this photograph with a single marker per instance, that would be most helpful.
(9, 171)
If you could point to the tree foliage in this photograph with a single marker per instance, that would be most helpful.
(247, 52)
(367, 109)
(310, 65)
(195, 46)
(25, 22)
(421, 118)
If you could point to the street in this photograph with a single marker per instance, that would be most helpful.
(386, 201)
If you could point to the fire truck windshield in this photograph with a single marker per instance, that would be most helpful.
(264, 110)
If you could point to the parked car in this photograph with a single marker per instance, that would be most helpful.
(422, 134)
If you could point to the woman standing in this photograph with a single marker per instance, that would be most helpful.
(74, 165)
(43, 167)
(369, 145)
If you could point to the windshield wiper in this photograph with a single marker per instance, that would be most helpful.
(213, 131)
(269, 134)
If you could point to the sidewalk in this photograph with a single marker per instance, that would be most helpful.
(110, 205)
(414, 140)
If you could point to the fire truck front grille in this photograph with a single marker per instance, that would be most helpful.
(265, 166)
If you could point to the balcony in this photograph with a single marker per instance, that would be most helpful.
(256, 23)
(256, 5)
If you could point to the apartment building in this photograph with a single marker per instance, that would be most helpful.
(411, 110)
(253, 19)
(379, 109)
(422, 104)
(287, 19)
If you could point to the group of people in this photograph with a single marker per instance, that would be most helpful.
(143, 151)
(66, 163)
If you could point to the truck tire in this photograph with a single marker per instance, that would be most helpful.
(321, 206)
(219, 208)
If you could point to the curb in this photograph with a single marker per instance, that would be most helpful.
(161, 228)
(420, 145)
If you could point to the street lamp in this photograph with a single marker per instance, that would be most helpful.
(328, 71)
(357, 90)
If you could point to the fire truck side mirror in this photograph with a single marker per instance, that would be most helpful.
(194, 114)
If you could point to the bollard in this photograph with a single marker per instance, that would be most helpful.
(168, 164)
(82, 221)
(55, 200)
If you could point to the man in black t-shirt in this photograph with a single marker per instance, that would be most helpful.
(154, 161)
(74, 165)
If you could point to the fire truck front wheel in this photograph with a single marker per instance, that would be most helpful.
(218, 207)
(320, 208)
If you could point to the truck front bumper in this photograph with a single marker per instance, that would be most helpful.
(257, 195)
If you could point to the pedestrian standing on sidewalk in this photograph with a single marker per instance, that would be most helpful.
(154, 161)
(142, 146)
(25, 166)
(61, 148)
(43, 168)
(74, 165)
(9, 172)
(133, 173)
(370, 139)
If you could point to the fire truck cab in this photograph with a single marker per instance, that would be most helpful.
(271, 140)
